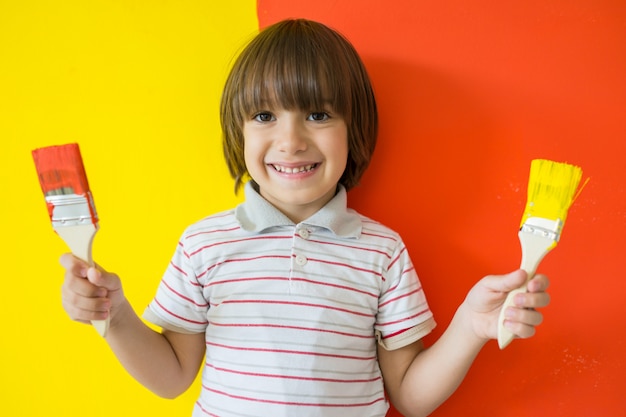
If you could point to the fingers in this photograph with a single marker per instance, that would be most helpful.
(505, 283)
(522, 319)
(95, 275)
(520, 330)
(524, 316)
(84, 295)
(536, 295)
(82, 308)
(74, 265)
(485, 302)
(522, 322)
(538, 283)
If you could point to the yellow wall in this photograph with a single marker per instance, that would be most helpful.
(137, 84)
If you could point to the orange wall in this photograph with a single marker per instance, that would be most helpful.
(469, 93)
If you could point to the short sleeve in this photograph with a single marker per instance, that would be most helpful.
(403, 312)
(179, 304)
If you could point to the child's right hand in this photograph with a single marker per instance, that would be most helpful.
(89, 293)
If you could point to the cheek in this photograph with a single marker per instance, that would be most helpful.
(248, 156)
(342, 150)
(247, 145)
(253, 155)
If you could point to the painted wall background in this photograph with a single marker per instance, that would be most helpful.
(137, 84)
(469, 93)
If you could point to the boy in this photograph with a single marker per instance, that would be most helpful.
(297, 304)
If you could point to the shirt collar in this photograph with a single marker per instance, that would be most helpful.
(256, 214)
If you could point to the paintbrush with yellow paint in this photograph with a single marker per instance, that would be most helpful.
(552, 188)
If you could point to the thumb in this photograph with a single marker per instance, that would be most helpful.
(101, 278)
(508, 282)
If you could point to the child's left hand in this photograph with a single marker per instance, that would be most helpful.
(485, 299)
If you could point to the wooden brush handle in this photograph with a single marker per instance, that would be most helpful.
(534, 248)
(79, 239)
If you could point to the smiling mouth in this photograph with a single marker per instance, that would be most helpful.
(294, 170)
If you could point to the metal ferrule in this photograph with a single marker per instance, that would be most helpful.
(550, 229)
(72, 210)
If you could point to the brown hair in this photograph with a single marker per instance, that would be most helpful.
(300, 64)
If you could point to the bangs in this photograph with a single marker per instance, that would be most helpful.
(291, 74)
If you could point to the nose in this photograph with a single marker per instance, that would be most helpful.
(292, 137)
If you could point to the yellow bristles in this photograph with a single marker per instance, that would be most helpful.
(552, 188)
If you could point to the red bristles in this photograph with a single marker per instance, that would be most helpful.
(60, 169)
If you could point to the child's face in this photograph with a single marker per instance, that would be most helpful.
(296, 158)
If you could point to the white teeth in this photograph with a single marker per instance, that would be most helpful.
(295, 170)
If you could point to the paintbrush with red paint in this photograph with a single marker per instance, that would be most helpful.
(70, 203)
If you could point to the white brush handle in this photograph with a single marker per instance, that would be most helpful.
(79, 239)
(534, 248)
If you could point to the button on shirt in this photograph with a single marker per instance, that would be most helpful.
(300, 258)
(292, 312)
(304, 233)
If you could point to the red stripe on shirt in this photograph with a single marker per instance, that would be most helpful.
(400, 297)
(397, 257)
(207, 232)
(242, 260)
(238, 280)
(325, 307)
(379, 236)
(179, 317)
(290, 403)
(299, 378)
(280, 326)
(345, 266)
(350, 247)
(179, 295)
(343, 287)
(178, 268)
(292, 352)
(228, 242)
(427, 310)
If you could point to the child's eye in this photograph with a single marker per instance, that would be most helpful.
(263, 117)
(318, 116)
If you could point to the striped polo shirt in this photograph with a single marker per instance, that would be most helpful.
(292, 312)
